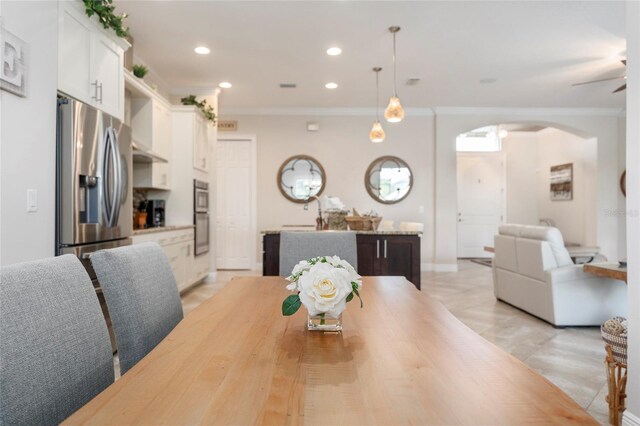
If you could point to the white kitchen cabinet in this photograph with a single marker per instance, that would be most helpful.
(201, 144)
(151, 131)
(178, 247)
(90, 61)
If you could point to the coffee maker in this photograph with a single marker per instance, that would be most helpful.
(155, 212)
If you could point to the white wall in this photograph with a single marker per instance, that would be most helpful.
(450, 122)
(577, 218)
(344, 150)
(632, 414)
(521, 151)
(28, 136)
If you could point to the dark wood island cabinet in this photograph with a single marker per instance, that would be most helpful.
(378, 254)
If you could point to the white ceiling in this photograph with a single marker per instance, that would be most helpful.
(535, 50)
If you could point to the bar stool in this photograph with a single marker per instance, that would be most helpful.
(614, 334)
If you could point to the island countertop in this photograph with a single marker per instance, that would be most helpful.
(278, 231)
(161, 229)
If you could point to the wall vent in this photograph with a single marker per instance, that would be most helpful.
(412, 81)
(288, 85)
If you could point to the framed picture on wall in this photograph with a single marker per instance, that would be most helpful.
(562, 182)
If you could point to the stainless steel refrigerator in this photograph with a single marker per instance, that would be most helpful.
(93, 184)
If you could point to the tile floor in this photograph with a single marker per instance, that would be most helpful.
(571, 358)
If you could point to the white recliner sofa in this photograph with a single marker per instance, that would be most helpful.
(532, 270)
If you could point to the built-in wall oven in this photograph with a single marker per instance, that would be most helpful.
(201, 216)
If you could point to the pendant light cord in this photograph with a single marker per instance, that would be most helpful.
(395, 92)
(377, 97)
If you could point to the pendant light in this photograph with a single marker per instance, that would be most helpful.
(377, 132)
(394, 112)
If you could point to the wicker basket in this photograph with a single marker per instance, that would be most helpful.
(363, 223)
(610, 331)
(336, 220)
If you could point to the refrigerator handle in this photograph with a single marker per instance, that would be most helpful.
(111, 151)
(105, 177)
(117, 178)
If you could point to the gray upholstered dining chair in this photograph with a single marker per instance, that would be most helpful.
(142, 297)
(297, 246)
(55, 352)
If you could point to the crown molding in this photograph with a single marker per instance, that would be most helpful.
(356, 112)
(425, 112)
(600, 112)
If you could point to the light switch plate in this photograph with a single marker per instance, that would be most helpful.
(32, 200)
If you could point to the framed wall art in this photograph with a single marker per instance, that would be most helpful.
(561, 187)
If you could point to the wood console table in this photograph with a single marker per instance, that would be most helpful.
(402, 359)
(616, 372)
(606, 270)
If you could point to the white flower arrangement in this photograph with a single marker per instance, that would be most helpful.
(323, 285)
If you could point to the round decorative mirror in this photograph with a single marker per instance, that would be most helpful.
(301, 177)
(388, 180)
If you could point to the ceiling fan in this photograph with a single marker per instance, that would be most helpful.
(619, 89)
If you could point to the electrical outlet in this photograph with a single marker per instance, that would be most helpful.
(32, 200)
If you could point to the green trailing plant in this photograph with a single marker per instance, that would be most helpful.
(140, 70)
(202, 105)
(104, 10)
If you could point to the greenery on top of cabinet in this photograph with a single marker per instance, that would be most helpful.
(104, 10)
(202, 105)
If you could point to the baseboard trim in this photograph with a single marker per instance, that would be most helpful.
(629, 419)
(439, 267)
(212, 276)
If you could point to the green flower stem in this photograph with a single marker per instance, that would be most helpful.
(322, 321)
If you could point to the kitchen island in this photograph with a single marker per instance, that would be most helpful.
(395, 253)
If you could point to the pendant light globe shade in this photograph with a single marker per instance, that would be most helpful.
(376, 135)
(394, 112)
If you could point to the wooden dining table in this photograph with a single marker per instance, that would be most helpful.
(402, 359)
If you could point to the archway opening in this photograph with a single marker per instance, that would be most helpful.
(525, 173)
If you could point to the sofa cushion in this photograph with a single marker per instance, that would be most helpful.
(553, 237)
(505, 253)
(534, 258)
(510, 229)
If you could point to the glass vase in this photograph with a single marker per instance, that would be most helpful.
(324, 322)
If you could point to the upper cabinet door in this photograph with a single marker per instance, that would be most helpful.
(107, 62)
(201, 144)
(90, 61)
(74, 55)
(161, 129)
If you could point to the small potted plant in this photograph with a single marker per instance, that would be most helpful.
(202, 105)
(140, 70)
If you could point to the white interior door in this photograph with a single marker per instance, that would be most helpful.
(481, 182)
(235, 203)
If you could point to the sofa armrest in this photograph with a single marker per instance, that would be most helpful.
(567, 273)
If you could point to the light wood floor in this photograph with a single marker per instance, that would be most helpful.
(572, 358)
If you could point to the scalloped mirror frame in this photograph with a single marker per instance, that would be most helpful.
(377, 162)
(300, 157)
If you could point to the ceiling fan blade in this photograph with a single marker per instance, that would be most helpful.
(621, 88)
(598, 81)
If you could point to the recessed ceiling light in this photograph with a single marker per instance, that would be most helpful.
(334, 51)
(225, 85)
(331, 86)
(202, 50)
(487, 80)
